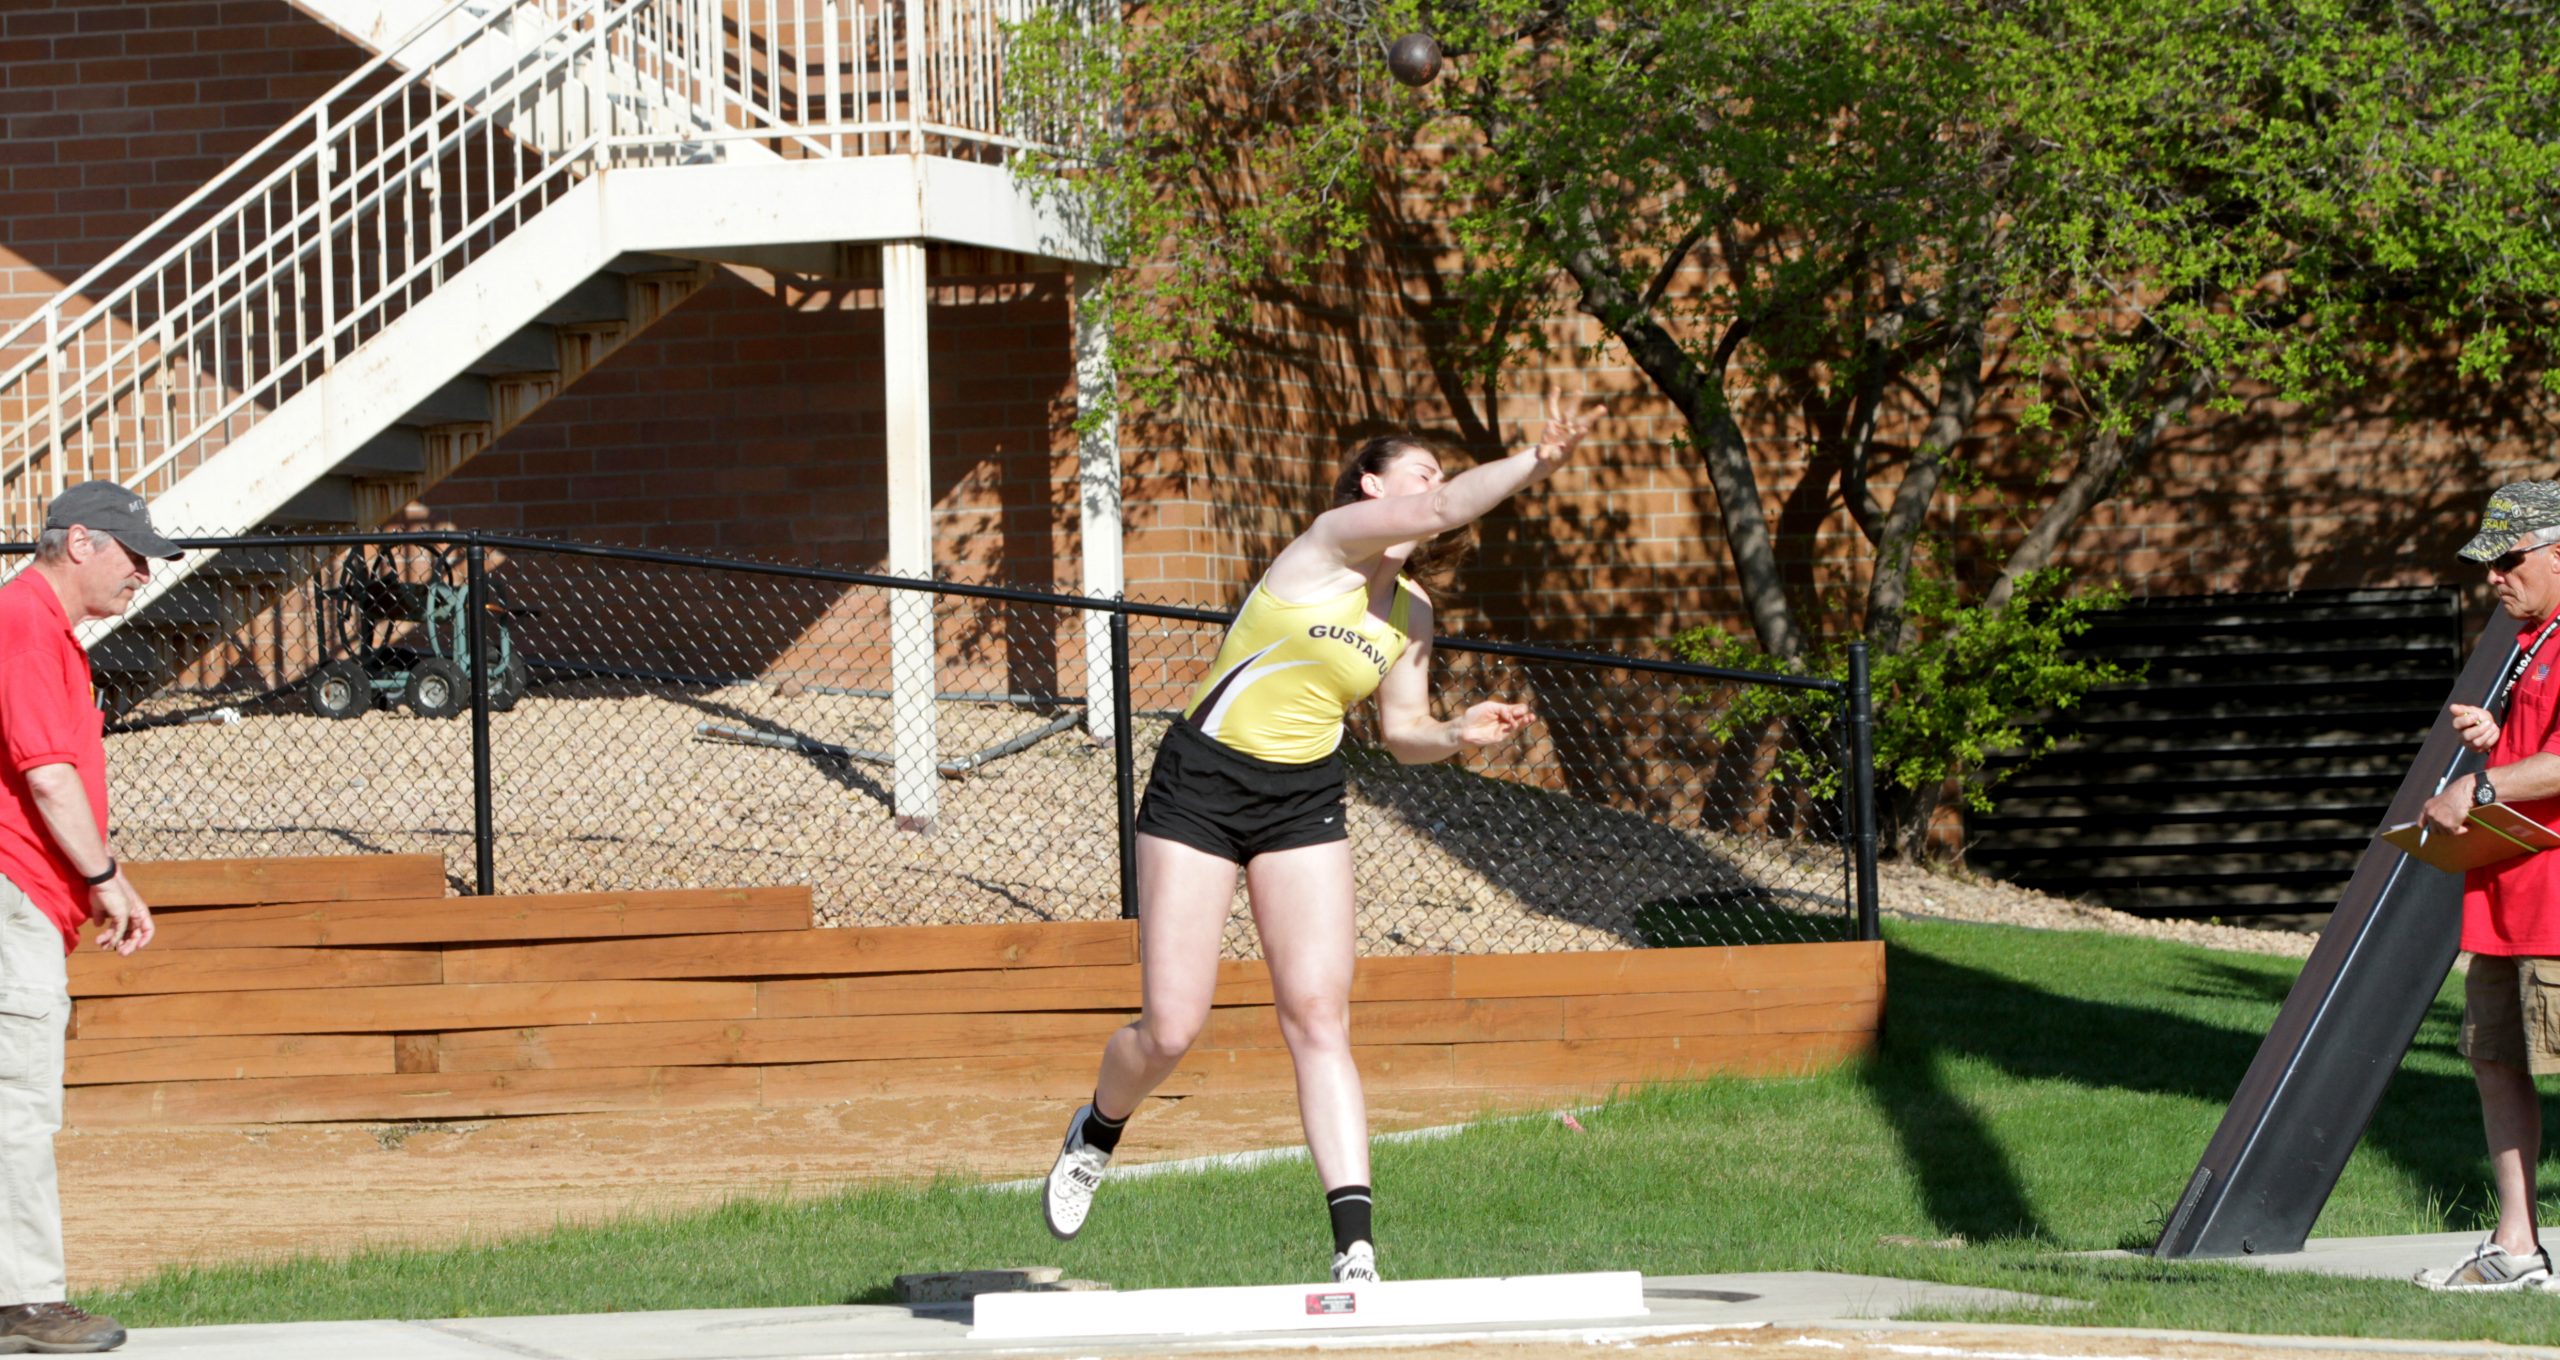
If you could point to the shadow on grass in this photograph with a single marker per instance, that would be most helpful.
(1941, 1010)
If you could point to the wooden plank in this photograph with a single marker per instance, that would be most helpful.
(457, 920)
(884, 949)
(95, 973)
(1074, 1037)
(469, 1095)
(1423, 1066)
(1595, 1065)
(1602, 972)
(1401, 1023)
(354, 1010)
(1793, 1010)
(1383, 1067)
(304, 878)
(1240, 983)
(985, 991)
(1399, 977)
(95, 1062)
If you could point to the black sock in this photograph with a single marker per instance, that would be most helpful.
(1349, 1206)
(1100, 1133)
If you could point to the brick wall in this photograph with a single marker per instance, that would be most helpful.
(1624, 545)
(750, 420)
(114, 112)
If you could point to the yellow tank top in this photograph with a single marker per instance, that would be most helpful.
(1287, 673)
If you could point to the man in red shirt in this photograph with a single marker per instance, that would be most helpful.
(2511, 909)
(57, 871)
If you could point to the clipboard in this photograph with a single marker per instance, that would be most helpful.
(2496, 833)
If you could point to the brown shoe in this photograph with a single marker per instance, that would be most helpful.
(56, 1329)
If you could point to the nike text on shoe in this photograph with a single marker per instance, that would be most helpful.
(1356, 1264)
(1072, 1181)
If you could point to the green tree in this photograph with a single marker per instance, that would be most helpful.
(1884, 210)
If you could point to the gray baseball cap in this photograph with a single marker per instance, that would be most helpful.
(111, 510)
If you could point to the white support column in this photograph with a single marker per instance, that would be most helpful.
(1097, 493)
(910, 421)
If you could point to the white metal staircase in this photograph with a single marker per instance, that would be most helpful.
(476, 217)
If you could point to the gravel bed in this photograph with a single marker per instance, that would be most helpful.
(1917, 891)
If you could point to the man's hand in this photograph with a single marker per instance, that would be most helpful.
(2447, 812)
(122, 918)
(2475, 727)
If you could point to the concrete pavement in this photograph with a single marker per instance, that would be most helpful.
(1678, 1303)
(1674, 1304)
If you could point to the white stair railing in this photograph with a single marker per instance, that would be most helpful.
(426, 158)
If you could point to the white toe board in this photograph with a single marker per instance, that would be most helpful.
(1311, 1307)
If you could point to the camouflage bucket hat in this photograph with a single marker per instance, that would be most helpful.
(2517, 511)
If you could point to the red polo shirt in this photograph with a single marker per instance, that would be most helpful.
(48, 716)
(2513, 907)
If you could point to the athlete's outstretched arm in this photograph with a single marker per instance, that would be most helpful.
(1357, 530)
(1411, 734)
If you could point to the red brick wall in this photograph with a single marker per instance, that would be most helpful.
(115, 112)
(1624, 545)
(750, 420)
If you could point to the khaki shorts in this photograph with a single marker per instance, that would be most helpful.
(2511, 1012)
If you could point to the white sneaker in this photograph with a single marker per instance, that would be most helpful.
(1359, 1265)
(2489, 1269)
(1072, 1181)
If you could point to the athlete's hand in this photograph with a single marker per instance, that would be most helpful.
(1565, 427)
(1491, 723)
(2477, 729)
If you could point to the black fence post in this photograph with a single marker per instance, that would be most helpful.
(484, 847)
(1862, 777)
(1124, 758)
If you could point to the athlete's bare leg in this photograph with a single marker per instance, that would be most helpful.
(1183, 897)
(1302, 904)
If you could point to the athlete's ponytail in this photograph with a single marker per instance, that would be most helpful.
(1434, 564)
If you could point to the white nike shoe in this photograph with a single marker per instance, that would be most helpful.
(1072, 1181)
(1358, 1265)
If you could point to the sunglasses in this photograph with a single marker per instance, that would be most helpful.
(133, 559)
(2506, 563)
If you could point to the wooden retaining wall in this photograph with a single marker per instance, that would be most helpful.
(351, 988)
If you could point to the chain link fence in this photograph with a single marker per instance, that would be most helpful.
(555, 717)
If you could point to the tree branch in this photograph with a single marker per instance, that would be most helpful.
(1960, 378)
(2111, 457)
(1698, 394)
(1670, 266)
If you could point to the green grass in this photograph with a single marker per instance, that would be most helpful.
(2038, 1093)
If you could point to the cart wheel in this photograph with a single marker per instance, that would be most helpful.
(438, 688)
(507, 682)
(341, 689)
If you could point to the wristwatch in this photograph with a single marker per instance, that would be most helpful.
(2481, 794)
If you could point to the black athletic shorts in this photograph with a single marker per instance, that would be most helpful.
(1214, 798)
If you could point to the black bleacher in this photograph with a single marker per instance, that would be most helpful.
(2244, 773)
